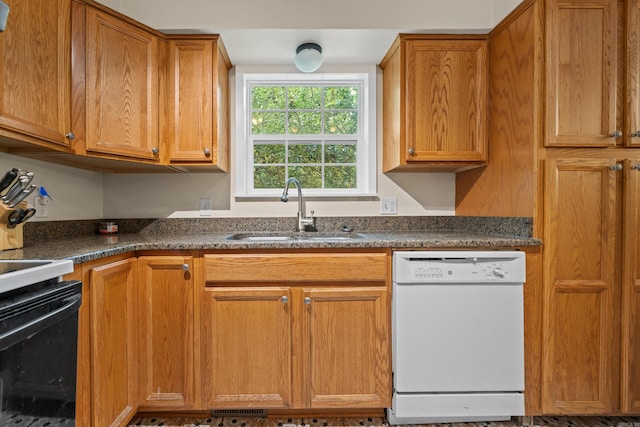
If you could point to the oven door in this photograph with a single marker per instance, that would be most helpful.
(38, 354)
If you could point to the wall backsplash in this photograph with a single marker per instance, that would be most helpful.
(35, 232)
(84, 195)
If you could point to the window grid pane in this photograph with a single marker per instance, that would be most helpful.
(311, 111)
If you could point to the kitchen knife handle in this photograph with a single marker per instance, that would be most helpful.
(15, 189)
(22, 195)
(8, 178)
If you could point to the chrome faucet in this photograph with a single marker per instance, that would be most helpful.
(304, 223)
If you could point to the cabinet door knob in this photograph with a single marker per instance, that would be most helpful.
(616, 134)
(70, 135)
(185, 267)
(155, 150)
(636, 167)
(616, 167)
(307, 300)
(635, 134)
(284, 299)
(412, 151)
(207, 152)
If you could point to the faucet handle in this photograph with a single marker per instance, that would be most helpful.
(308, 223)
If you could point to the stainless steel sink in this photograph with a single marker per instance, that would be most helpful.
(260, 238)
(332, 238)
(284, 236)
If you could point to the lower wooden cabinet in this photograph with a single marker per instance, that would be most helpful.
(591, 309)
(579, 320)
(630, 310)
(296, 331)
(165, 322)
(246, 347)
(345, 341)
(172, 332)
(113, 343)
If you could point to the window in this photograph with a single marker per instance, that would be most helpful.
(315, 127)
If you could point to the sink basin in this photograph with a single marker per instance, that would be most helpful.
(332, 238)
(284, 236)
(260, 238)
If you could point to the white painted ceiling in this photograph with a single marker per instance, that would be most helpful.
(267, 32)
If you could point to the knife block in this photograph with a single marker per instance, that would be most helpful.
(10, 238)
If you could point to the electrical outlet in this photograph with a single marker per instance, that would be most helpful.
(389, 206)
(41, 205)
(206, 207)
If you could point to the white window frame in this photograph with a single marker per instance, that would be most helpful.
(366, 145)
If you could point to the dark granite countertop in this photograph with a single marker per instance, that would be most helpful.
(211, 234)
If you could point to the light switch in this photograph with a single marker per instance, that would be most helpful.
(389, 206)
(205, 207)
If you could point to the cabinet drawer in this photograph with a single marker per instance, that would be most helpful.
(335, 267)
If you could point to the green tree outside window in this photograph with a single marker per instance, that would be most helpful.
(310, 132)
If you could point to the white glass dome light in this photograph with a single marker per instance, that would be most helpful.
(308, 57)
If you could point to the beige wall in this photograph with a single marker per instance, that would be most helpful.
(80, 194)
(76, 193)
(178, 195)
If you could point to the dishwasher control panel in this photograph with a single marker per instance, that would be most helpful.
(458, 267)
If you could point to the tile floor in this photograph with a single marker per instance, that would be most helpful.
(375, 422)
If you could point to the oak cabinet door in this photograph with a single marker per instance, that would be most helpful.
(632, 104)
(196, 120)
(579, 356)
(290, 330)
(581, 73)
(166, 332)
(630, 345)
(446, 100)
(121, 88)
(246, 347)
(346, 344)
(35, 71)
(435, 105)
(114, 328)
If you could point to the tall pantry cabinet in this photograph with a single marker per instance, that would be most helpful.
(591, 296)
(565, 74)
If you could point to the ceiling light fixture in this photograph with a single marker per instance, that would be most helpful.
(308, 57)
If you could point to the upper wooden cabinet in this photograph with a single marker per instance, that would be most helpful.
(435, 103)
(587, 61)
(121, 96)
(632, 92)
(196, 113)
(35, 73)
(78, 77)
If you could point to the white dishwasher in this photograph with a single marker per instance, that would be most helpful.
(458, 336)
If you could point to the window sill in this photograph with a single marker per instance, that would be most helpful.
(293, 195)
